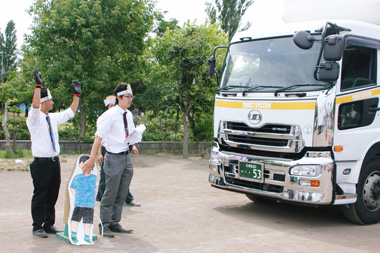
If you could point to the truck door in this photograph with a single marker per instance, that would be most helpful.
(357, 120)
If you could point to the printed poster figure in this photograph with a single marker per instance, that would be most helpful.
(82, 203)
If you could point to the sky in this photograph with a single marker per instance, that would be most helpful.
(262, 13)
(182, 10)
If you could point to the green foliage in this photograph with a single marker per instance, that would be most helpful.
(101, 43)
(17, 154)
(229, 13)
(68, 133)
(13, 106)
(150, 152)
(164, 25)
(203, 129)
(96, 42)
(183, 55)
(178, 78)
(16, 125)
(14, 88)
(166, 119)
(152, 134)
(2, 42)
(10, 56)
(8, 48)
(2, 49)
(211, 12)
(22, 132)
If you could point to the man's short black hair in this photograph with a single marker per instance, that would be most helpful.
(119, 87)
(43, 92)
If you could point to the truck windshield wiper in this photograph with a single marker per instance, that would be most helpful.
(297, 85)
(260, 87)
(232, 87)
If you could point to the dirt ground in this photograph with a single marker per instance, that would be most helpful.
(180, 212)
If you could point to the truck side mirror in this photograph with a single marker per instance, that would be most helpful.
(328, 71)
(333, 48)
(211, 66)
(303, 39)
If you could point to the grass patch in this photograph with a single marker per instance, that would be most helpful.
(18, 154)
(150, 152)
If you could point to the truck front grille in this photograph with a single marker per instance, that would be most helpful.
(270, 128)
(268, 138)
(258, 141)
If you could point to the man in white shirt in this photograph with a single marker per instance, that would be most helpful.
(117, 126)
(109, 102)
(45, 168)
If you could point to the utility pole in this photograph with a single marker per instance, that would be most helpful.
(2, 67)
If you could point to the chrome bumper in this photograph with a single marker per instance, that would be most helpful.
(278, 182)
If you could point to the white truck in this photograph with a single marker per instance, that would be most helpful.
(297, 116)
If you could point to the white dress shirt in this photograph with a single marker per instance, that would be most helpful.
(39, 131)
(110, 126)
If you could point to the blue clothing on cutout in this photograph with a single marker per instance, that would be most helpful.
(85, 190)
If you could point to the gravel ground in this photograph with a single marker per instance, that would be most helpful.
(180, 212)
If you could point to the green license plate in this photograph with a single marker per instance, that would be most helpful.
(251, 171)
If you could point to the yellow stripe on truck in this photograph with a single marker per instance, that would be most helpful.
(357, 96)
(266, 105)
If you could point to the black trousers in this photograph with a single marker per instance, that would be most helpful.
(46, 175)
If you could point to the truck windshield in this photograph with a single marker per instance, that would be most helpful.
(270, 65)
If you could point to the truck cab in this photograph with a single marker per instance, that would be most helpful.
(297, 119)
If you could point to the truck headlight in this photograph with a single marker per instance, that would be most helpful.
(306, 170)
(214, 160)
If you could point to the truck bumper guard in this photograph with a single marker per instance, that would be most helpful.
(308, 180)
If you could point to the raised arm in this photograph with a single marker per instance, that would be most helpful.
(77, 92)
(37, 92)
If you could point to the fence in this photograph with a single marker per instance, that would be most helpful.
(68, 147)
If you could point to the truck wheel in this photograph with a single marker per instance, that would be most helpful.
(366, 210)
(259, 200)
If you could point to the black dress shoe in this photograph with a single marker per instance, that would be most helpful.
(51, 230)
(40, 233)
(105, 231)
(119, 229)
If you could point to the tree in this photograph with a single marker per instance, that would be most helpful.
(183, 55)
(97, 42)
(10, 47)
(5, 128)
(163, 25)
(2, 41)
(13, 107)
(158, 97)
(13, 93)
(211, 12)
(229, 13)
(2, 45)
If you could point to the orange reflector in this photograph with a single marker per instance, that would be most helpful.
(341, 197)
(338, 148)
(314, 183)
(210, 166)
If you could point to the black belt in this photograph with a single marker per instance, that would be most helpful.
(55, 158)
(121, 153)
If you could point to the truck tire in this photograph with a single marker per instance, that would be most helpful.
(260, 200)
(366, 210)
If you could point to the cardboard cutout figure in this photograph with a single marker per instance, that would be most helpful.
(80, 204)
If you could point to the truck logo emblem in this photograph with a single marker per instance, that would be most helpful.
(254, 117)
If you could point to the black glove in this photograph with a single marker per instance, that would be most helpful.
(76, 88)
(37, 78)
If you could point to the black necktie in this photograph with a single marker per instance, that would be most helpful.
(125, 124)
(50, 132)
